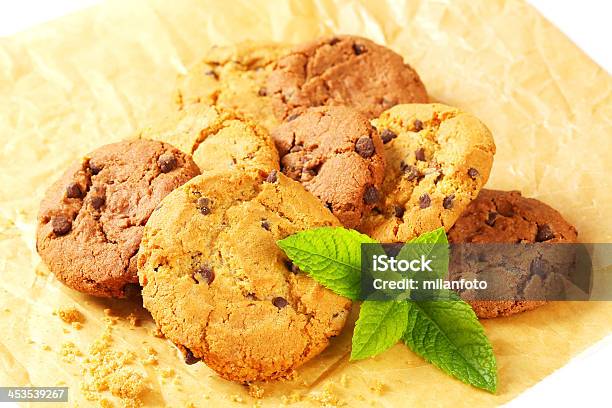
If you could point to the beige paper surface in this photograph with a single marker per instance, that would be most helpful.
(96, 76)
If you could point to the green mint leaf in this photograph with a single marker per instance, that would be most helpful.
(449, 335)
(330, 255)
(380, 326)
(433, 245)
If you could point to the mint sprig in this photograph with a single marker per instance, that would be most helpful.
(445, 333)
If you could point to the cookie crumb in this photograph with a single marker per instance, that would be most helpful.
(46, 347)
(236, 398)
(168, 373)
(104, 403)
(378, 388)
(292, 398)
(327, 397)
(106, 369)
(134, 320)
(256, 391)
(69, 352)
(70, 315)
(77, 325)
(156, 332)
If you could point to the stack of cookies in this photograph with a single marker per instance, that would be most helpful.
(268, 140)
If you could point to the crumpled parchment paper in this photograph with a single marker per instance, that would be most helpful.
(96, 76)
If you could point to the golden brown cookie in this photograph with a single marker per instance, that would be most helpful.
(91, 220)
(217, 139)
(220, 288)
(343, 70)
(438, 158)
(507, 217)
(337, 155)
(234, 78)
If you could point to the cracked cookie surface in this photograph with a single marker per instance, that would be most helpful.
(218, 139)
(337, 155)
(91, 220)
(234, 77)
(437, 160)
(343, 70)
(508, 217)
(220, 288)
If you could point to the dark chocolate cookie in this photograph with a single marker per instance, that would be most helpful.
(343, 70)
(91, 220)
(338, 156)
(508, 217)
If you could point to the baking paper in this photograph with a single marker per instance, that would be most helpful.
(97, 76)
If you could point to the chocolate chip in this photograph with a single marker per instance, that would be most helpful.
(272, 177)
(329, 207)
(73, 190)
(61, 225)
(420, 154)
(359, 49)
(545, 233)
(505, 208)
(212, 73)
(424, 201)
(491, 219)
(371, 195)
(190, 359)
(203, 204)
(167, 162)
(206, 273)
(398, 211)
(418, 125)
(279, 302)
(265, 224)
(472, 172)
(410, 172)
(95, 168)
(296, 148)
(387, 136)
(292, 117)
(334, 41)
(97, 202)
(365, 147)
(291, 266)
(447, 203)
(262, 92)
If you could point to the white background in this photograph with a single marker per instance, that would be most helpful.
(586, 381)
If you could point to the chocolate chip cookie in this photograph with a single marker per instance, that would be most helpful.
(438, 158)
(343, 70)
(234, 78)
(216, 138)
(507, 217)
(91, 220)
(337, 155)
(220, 288)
